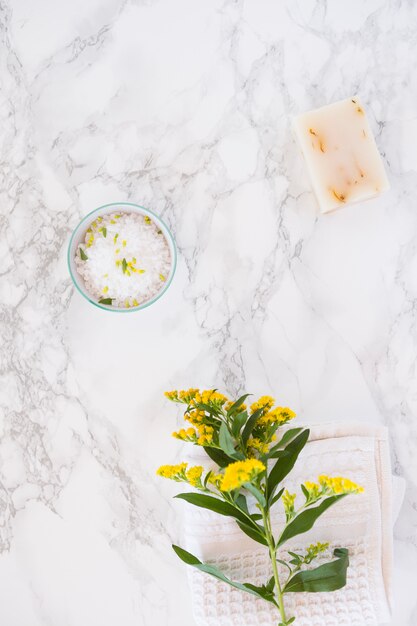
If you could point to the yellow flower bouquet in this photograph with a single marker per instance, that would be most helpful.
(253, 457)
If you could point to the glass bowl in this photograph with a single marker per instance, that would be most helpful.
(78, 236)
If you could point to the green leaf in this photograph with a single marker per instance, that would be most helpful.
(257, 493)
(207, 478)
(241, 502)
(216, 505)
(277, 454)
(83, 255)
(250, 425)
(263, 591)
(277, 497)
(284, 465)
(305, 492)
(327, 577)
(185, 556)
(124, 265)
(190, 559)
(106, 300)
(238, 403)
(252, 532)
(237, 423)
(226, 442)
(288, 436)
(305, 520)
(245, 522)
(218, 456)
(296, 558)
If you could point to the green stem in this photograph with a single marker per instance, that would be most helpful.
(272, 554)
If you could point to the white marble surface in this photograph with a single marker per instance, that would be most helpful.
(184, 106)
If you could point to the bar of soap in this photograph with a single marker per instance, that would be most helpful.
(341, 154)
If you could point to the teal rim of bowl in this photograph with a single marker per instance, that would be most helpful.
(148, 302)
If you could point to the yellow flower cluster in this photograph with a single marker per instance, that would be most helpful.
(314, 549)
(339, 485)
(182, 396)
(194, 475)
(240, 472)
(215, 479)
(194, 417)
(181, 472)
(188, 434)
(210, 396)
(288, 500)
(280, 415)
(313, 489)
(175, 472)
(264, 402)
(254, 443)
(203, 437)
(195, 396)
(328, 485)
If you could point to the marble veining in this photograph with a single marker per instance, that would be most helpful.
(185, 107)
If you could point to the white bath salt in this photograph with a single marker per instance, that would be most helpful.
(124, 259)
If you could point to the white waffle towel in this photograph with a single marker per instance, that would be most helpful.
(363, 523)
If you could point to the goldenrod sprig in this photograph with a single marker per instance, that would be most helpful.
(252, 462)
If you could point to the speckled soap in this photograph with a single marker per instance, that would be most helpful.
(341, 154)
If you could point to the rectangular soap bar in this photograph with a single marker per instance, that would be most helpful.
(342, 158)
